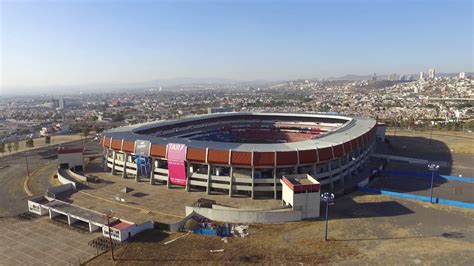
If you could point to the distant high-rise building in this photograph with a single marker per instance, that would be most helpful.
(393, 77)
(55, 103)
(374, 77)
(462, 75)
(62, 103)
(432, 73)
(422, 75)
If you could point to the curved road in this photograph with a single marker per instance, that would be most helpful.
(42, 165)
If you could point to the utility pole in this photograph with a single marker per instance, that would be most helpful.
(431, 134)
(27, 166)
(109, 214)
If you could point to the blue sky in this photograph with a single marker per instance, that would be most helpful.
(88, 42)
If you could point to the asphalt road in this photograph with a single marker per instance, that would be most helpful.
(41, 164)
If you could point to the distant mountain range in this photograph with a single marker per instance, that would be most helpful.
(117, 87)
(171, 83)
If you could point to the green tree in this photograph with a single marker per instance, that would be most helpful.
(2, 147)
(85, 131)
(16, 145)
(98, 129)
(9, 147)
(47, 139)
(30, 143)
(118, 117)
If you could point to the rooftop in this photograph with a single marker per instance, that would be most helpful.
(77, 211)
(301, 183)
(351, 128)
(65, 150)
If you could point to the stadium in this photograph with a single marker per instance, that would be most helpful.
(241, 153)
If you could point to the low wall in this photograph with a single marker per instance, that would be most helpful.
(400, 158)
(246, 216)
(65, 178)
(176, 226)
(418, 197)
(76, 176)
(53, 191)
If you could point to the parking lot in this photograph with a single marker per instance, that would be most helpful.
(42, 242)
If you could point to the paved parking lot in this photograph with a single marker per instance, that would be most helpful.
(40, 242)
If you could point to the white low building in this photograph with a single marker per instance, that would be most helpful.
(76, 216)
(71, 158)
(123, 230)
(302, 193)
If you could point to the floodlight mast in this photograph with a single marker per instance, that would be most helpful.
(327, 197)
(433, 167)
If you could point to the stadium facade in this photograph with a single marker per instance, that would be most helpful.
(241, 153)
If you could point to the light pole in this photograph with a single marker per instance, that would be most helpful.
(328, 198)
(27, 166)
(431, 134)
(109, 214)
(433, 168)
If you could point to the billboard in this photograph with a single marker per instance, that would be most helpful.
(176, 155)
(142, 147)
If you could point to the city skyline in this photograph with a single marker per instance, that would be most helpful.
(65, 44)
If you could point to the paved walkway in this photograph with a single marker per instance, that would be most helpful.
(146, 202)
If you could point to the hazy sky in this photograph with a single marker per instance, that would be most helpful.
(88, 42)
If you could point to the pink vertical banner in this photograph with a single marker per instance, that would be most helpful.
(176, 156)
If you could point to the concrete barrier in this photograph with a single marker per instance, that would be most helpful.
(176, 226)
(65, 178)
(76, 176)
(418, 197)
(246, 216)
(400, 158)
(53, 191)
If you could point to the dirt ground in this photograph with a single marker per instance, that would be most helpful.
(368, 229)
(453, 151)
(441, 141)
(363, 228)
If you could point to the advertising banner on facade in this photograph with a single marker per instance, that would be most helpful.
(176, 155)
(142, 147)
(143, 166)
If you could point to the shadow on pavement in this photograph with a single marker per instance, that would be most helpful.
(347, 208)
(420, 148)
(413, 147)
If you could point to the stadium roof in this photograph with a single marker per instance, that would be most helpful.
(352, 128)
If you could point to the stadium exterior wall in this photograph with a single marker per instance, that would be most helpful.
(252, 173)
